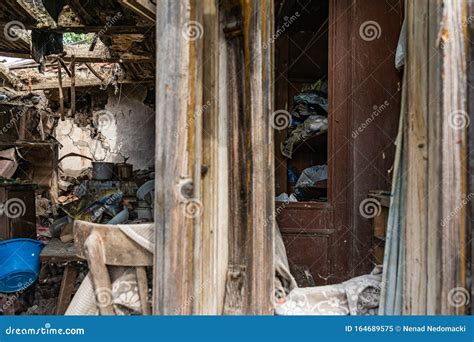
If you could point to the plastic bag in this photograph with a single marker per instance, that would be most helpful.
(311, 175)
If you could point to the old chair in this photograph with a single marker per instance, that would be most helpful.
(102, 245)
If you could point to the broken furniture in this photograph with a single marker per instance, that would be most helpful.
(37, 164)
(57, 252)
(107, 245)
(17, 211)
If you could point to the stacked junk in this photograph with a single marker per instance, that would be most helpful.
(105, 193)
(108, 193)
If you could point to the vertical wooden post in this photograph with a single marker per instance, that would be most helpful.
(73, 85)
(258, 28)
(61, 92)
(417, 187)
(251, 189)
(177, 209)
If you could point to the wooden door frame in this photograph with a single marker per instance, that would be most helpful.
(181, 240)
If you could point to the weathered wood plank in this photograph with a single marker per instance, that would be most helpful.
(174, 288)
(434, 151)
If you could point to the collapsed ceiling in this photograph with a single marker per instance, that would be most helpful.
(123, 38)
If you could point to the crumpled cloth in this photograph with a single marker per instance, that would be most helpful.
(124, 294)
(315, 124)
(357, 296)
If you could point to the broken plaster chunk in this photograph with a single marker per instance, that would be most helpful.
(68, 18)
(37, 10)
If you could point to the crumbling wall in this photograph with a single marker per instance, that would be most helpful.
(124, 128)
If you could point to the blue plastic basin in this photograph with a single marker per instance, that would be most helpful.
(19, 263)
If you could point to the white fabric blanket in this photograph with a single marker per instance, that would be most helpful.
(357, 296)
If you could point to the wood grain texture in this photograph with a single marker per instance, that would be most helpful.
(178, 96)
(417, 145)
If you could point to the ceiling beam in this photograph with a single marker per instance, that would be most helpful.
(82, 83)
(144, 8)
(114, 29)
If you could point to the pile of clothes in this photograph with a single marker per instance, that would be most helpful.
(356, 296)
(309, 116)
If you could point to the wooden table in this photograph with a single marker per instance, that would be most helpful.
(58, 252)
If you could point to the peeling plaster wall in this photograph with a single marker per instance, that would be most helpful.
(128, 129)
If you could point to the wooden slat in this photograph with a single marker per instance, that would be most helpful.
(145, 8)
(73, 86)
(453, 157)
(61, 92)
(174, 290)
(417, 187)
(434, 151)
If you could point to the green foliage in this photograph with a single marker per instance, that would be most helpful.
(71, 37)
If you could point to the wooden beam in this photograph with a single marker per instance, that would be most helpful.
(417, 185)
(61, 93)
(9, 79)
(251, 163)
(81, 83)
(73, 86)
(83, 59)
(114, 29)
(178, 169)
(14, 54)
(258, 25)
(95, 73)
(144, 8)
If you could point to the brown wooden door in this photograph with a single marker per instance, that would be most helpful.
(331, 242)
